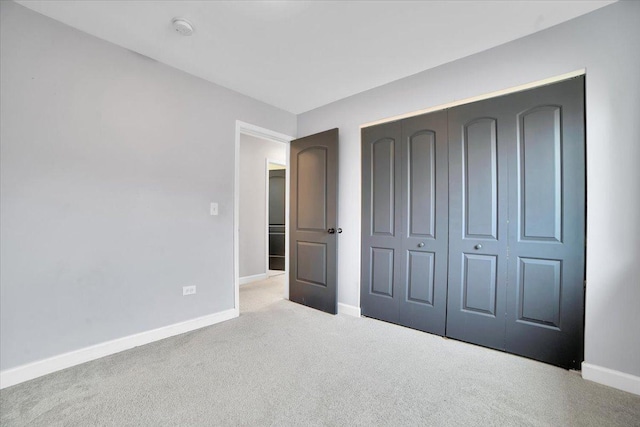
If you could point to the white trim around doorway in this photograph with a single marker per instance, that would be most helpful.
(263, 133)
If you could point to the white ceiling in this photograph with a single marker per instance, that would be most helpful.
(299, 55)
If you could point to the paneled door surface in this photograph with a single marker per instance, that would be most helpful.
(424, 222)
(404, 224)
(314, 229)
(545, 296)
(517, 224)
(473, 222)
(381, 261)
(478, 153)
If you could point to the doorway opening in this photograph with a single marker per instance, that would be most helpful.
(276, 219)
(260, 223)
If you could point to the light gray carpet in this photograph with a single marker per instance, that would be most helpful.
(280, 363)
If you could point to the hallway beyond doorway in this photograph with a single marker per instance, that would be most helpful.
(258, 295)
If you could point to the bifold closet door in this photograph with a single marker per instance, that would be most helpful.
(474, 222)
(545, 296)
(404, 223)
(517, 223)
(479, 144)
(381, 265)
(424, 221)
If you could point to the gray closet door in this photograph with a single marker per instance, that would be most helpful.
(517, 225)
(404, 226)
(314, 214)
(545, 296)
(478, 152)
(424, 220)
(515, 218)
(381, 244)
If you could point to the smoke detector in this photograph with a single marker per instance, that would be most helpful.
(182, 26)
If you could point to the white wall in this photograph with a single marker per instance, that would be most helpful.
(109, 161)
(605, 42)
(254, 153)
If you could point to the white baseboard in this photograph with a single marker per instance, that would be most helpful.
(276, 273)
(249, 279)
(349, 310)
(611, 378)
(37, 369)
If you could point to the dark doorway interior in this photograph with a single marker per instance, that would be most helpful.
(277, 179)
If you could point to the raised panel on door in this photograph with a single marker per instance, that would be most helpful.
(311, 265)
(540, 173)
(313, 210)
(539, 283)
(383, 182)
(381, 270)
(545, 304)
(479, 284)
(479, 136)
(421, 277)
(381, 250)
(424, 221)
(480, 172)
(420, 158)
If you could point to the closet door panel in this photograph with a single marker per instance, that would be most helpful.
(545, 299)
(424, 221)
(479, 137)
(381, 252)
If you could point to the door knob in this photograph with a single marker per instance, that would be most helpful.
(478, 246)
(421, 245)
(339, 230)
(331, 231)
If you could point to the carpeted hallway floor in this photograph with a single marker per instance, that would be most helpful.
(280, 363)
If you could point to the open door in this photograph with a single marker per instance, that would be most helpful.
(314, 215)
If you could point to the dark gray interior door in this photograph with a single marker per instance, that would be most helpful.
(404, 224)
(424, 220)
(478, 150)
(381, 264)
(545, 296)
(314, 211)
(485, 245)
(517, 225)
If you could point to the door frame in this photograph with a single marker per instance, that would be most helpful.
(243, 128)
(269, 161)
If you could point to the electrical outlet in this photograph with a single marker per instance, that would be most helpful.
(188, 290)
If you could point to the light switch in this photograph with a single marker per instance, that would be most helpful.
(214, 209)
